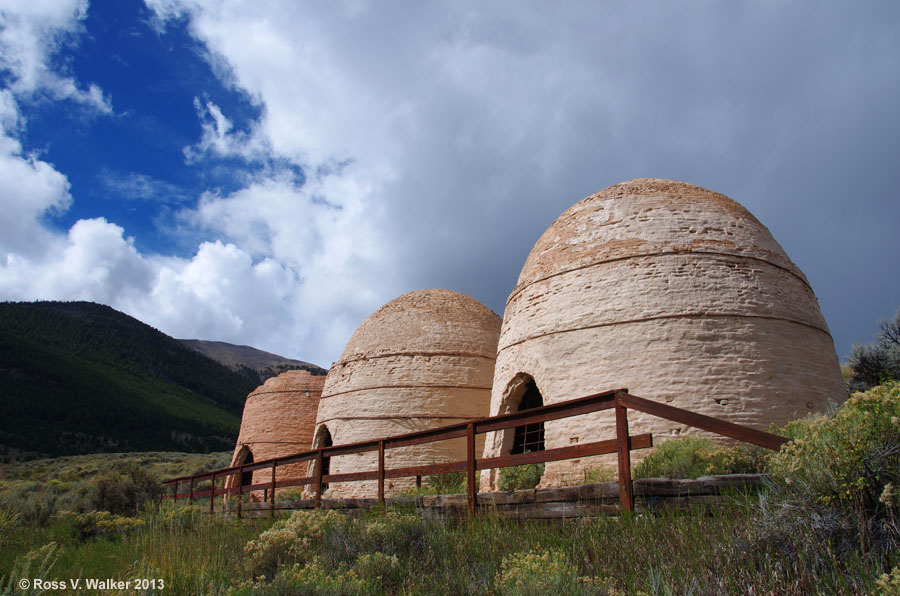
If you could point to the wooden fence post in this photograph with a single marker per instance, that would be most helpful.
(470, 466)
(318, 477)
(626, 496)
(381, 472)
(240, 489)
(192, 490)
(212, 493)
(174, 491)
(272, 493)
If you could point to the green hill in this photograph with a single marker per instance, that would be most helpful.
(79, 377)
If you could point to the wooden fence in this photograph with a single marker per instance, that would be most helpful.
(619, 400)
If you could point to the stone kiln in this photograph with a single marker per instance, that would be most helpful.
(279, 419)
(423, 360)
(673, 291)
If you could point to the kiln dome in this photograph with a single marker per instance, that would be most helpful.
(423, 360)
(677, 293)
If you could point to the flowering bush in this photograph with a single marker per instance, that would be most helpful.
(889, 583)
(316, 578)
(835, 482)
(292, 540)
(851, 458)
(546, 572)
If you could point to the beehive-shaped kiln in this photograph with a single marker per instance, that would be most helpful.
(279, 419)
(672, 291)
(423, 360)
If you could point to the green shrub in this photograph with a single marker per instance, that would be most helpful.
(447, 484)
(33, 502)
(601, 474)
(182, 517)
(685, 457)
(520, 477)
(691, 456)
(547, 572)
(290, 494)
(94, 524)
(126, 490)
(394, 532)
(381, 573)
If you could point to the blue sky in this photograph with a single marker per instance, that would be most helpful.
(129, 166)
(271, 172)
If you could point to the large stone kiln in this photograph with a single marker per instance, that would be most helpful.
(672, 291)
(423, 360)
(279, 419)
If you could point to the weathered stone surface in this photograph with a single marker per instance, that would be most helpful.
(423, 360)
(279, 419)
(674, 292)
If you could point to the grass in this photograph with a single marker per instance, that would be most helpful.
(696, 551)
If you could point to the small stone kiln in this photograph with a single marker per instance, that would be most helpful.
(279, 419)
(423, 360)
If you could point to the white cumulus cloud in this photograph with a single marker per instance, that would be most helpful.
(31, 32)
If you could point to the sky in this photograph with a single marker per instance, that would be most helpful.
(270, 172)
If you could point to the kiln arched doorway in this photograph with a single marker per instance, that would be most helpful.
(245, 456)
(529, 437)
(522, 393)
(323, 439)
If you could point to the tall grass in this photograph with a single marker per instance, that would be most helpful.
(396, 552)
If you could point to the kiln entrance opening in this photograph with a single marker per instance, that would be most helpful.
(323, 439)
(243, 458)
(529, 437)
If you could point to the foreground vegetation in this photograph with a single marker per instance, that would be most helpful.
(829, 524)
(717, 551)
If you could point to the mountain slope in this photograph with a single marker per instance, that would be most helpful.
(253, 363)
(78, 377)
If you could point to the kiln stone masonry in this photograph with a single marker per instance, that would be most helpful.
(279, 419)
(423, 360)
(675, 292)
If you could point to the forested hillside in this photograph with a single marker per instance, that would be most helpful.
(79, 377)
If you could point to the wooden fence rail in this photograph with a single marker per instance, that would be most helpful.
(619, 400)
